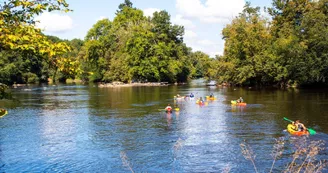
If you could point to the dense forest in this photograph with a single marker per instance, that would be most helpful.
(131, 48)
(288, 48)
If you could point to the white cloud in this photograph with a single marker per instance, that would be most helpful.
(212, 11)
(179, 20)
(190, 34)
(150, 11)
(52, 22)
(212, 54)
(206, 42)
(101, 18)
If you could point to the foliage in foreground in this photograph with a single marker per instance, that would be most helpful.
(304, 158)
(26, 53)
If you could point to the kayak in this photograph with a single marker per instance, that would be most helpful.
(169, 111)
(3, 112)
(178, 98)
(199, 102)
(234, 102)
(210, 98)
(292, 131)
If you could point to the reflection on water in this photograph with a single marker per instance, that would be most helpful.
(72, 128)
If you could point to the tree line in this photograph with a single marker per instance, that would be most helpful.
(131, 48)
(289, 47)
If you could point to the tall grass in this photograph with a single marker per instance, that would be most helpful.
(304, 157)
(248, 153)
(125, 161)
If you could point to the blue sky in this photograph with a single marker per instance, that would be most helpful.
(203, 19)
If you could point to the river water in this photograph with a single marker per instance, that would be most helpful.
(78, 128)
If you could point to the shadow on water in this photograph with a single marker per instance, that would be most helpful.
(75, 128)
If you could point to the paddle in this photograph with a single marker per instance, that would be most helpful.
(311, 131)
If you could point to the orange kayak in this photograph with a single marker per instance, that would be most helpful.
(234, 102)
(292, 131)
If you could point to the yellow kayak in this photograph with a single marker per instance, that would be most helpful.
(3, 112)
(210, 98)
(234, 102)
(291, 129)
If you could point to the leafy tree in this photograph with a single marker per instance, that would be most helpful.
(20, 37)
(246, 39)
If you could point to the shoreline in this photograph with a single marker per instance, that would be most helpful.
(120, 84)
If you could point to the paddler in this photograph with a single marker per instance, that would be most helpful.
(300, 126)
(168, 108)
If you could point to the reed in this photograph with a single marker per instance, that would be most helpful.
(226, 169)
(277, 151)
(125, 161)
(248, 153)
(304, 158)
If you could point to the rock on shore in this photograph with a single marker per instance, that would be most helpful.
(121, 84)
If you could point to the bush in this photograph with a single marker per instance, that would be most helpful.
(31, 77)
(3, 93)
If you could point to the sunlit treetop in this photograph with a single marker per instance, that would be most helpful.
(17, 26)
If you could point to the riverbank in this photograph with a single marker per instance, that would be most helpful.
(121, 84)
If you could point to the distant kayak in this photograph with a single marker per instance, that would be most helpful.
(210, 98)
(234, 102)
(178, 98)
(169, 110)
(292, 131)
(199, 102)
(3, 112)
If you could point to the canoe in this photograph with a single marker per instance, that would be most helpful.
(290, 129)
(234, 102)
(3, 113)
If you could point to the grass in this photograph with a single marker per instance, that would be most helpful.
(304, 157)
(303, 160)
(125, 161)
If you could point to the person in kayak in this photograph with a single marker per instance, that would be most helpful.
(240, 100)
(294, 126)
(300, 126)
(191, 95)
(168, 108)
(211, 95)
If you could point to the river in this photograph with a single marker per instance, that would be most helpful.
(83, 128)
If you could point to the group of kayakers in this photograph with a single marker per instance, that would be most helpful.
(191, 95)
(177, 97)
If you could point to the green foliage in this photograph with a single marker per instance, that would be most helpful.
(3, 92)
(130, 48)
(30, 77)
(285, 51)
(135, 48)
(24, 50)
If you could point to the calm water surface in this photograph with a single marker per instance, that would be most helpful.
(76, 128)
